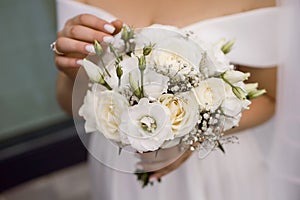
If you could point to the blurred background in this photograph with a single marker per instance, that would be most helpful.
(41, 156)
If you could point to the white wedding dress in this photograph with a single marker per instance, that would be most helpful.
(240, 174)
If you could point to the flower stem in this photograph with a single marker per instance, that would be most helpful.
(105, 69)
(142, 83)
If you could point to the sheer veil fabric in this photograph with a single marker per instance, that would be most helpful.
(244, 172)
(284, 179)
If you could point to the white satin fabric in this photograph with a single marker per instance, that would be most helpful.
(240, 174)
(284, 181)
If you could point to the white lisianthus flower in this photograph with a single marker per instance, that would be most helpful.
(146, 126)
(128, 64)
(87, 110)
(214, 61)
(232, 106)
(92, 70)
(172, 39)
(102, 110)
(210, 93)
(156, 34)
(233, 76)
(155, 84)
(231, 122)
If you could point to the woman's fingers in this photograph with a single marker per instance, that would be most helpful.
(118, 24)
(93, 22)
(87, 34)
(75, 41)
(63, 62)
(67, 46)
(174, 165)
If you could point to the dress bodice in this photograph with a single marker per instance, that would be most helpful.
(254, 31)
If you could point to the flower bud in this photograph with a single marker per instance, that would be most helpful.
(239, 93)
(134, 85)
(101, 80)
(92, 70)
(125, 34)
(98, 48)
(249, 87)
(119, 71)
(233, 76)
(147, 50)
(226, 48)
(131, 33)
(256, 93)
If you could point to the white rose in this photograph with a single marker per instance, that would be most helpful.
(210, 93)
(183, 112)
(146, 126)
(102, 111)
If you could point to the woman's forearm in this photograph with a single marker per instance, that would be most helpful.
(261, 110)
(64, 92)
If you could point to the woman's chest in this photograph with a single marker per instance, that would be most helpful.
(140, 13)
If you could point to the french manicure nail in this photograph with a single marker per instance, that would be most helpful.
(108, 39)
(109, 28)
(79, 62)
(90, 48)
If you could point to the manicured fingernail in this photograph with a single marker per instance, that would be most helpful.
(109, 28)
(90, 48)
(108, 39)
(79, 62)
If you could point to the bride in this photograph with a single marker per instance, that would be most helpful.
(239, 174)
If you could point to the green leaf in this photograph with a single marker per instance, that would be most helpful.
(220, 146)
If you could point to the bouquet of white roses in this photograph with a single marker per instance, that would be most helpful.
(158, 87)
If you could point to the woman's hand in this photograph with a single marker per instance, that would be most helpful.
(169, 168)
(161, 163)
(75, 41)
